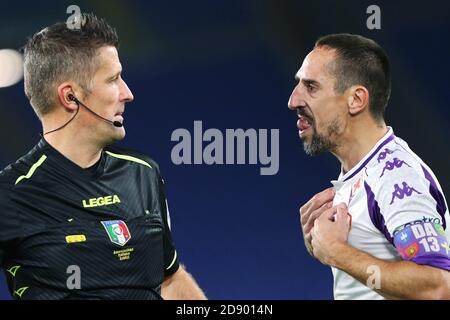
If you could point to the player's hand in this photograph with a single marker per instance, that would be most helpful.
(330, 231)
(311, 210)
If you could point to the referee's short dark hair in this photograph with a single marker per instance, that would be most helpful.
(59, 53)
(362, 61)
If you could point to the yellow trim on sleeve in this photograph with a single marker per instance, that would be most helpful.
(20, 291)
(13, 270)
(32, 169)
(129, 158)
(173, 261)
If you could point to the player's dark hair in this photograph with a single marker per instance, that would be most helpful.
(59, 53)
(360, 61)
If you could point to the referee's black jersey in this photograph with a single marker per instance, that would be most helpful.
(73, 233)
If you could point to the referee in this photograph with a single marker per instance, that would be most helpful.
(80, 219)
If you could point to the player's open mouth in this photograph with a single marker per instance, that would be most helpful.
(305, 120)
(303, 124)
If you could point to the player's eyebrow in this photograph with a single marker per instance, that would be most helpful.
(308, 82)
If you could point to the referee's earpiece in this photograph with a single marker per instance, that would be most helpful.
(71, 97)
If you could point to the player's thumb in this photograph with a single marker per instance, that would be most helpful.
(343, 218)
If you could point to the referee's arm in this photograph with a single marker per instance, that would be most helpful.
(181, 286)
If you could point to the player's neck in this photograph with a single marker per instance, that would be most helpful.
(76, 147)
(357, 142)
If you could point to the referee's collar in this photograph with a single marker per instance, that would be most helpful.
(69, 166)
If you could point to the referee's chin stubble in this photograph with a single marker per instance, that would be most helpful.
(119, 133)
(112, 134)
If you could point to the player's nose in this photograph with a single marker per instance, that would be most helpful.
(295, 99)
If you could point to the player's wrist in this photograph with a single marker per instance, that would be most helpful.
(338, 254)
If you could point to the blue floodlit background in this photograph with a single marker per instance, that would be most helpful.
(231, 64)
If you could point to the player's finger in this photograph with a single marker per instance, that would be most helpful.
(316, 202)
(329, 213)
(308, 238)
(315, 214)
(318, 199)
(343, 218)
(312, 247)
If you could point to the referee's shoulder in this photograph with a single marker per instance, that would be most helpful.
(7, 182)
(7, 175)
(10, 173)
(130, 152)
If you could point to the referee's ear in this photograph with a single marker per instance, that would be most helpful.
(64, 90)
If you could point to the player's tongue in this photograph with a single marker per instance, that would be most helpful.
(303, 123)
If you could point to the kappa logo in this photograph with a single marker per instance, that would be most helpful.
(117, 231)
(383, 154)
(391, 165)
(401, 192)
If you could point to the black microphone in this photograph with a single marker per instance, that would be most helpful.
(71, 97)
(116, 123)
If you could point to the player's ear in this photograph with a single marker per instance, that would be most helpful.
(64, 90)
(357, 99)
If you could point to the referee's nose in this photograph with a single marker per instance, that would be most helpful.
(125, 93)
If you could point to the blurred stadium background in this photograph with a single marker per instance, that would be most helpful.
(231, 64)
